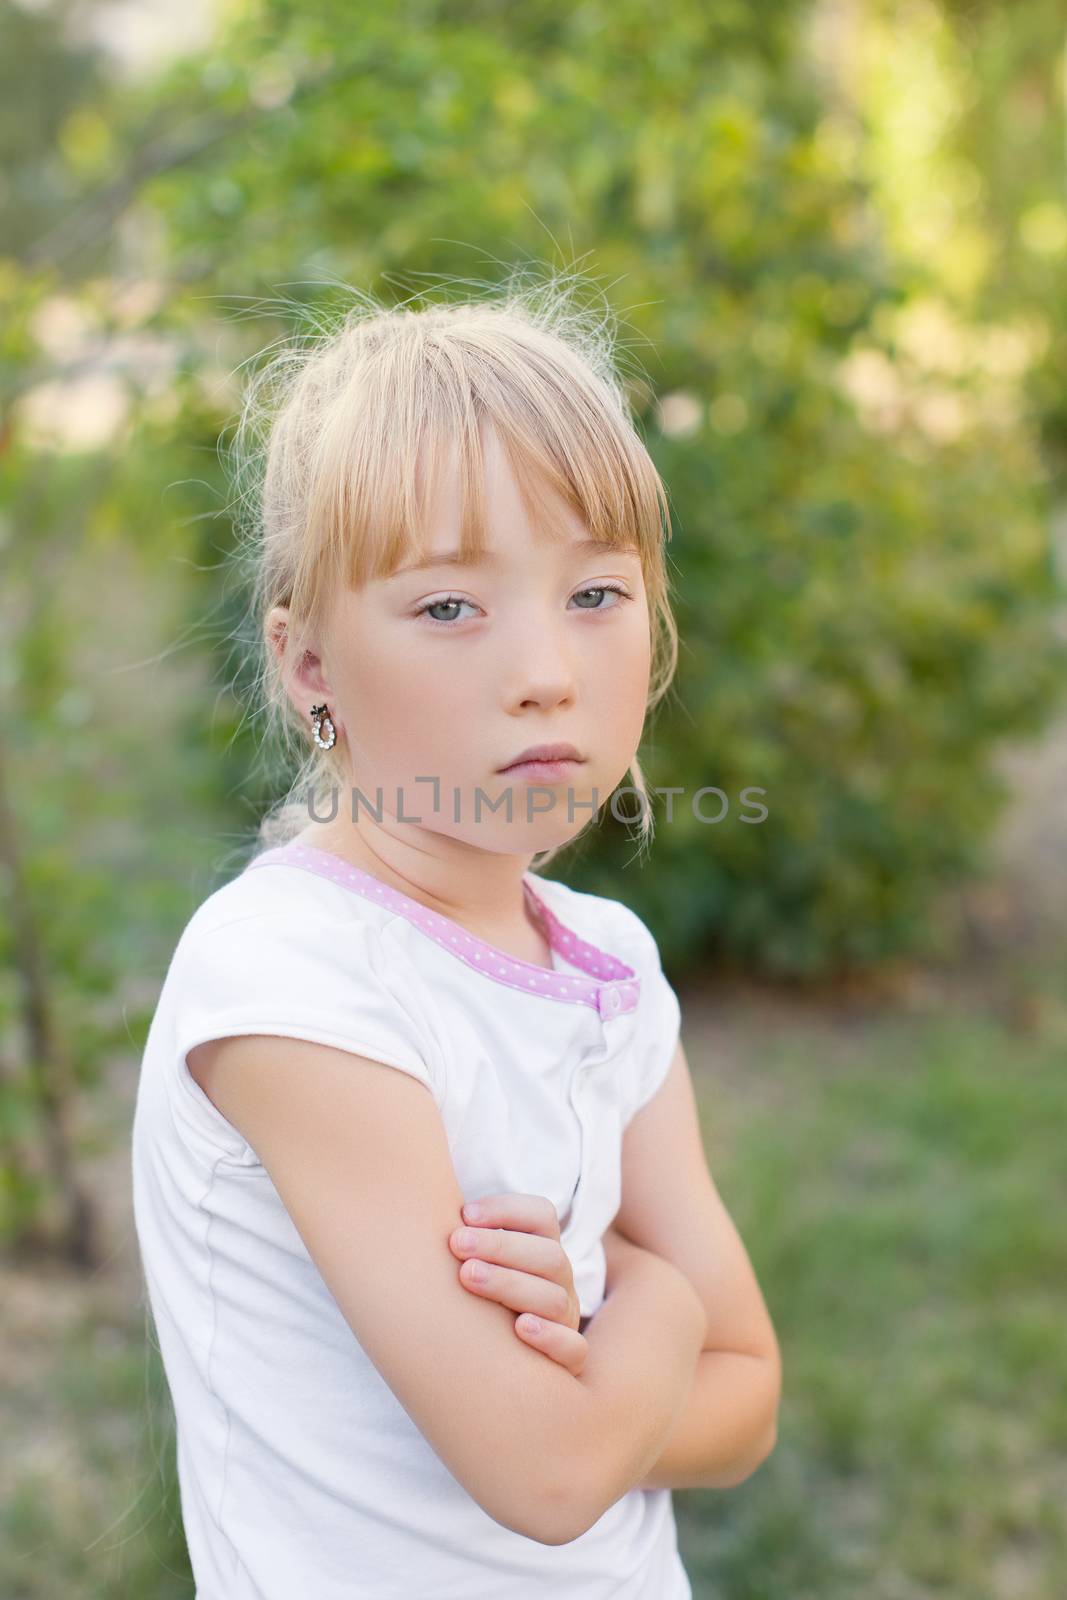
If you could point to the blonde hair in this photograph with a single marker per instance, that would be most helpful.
(337, 447)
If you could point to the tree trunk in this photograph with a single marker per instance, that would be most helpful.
(47, 1066)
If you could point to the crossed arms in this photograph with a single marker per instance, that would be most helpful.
(680, 1386)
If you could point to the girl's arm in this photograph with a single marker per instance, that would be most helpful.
(644, 1343)
(728, 1395)
(733, 1388)
(670, 1205)
(359, 1156)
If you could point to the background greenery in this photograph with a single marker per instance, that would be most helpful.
(836, 236)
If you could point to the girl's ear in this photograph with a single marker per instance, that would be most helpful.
(305, 679)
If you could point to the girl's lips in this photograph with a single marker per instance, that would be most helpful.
(542, 771)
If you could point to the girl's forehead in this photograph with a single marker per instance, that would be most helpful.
(506, 545)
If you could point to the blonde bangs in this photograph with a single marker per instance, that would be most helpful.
(414, 409)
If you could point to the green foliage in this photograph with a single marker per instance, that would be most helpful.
(861, 630)
(838, 329)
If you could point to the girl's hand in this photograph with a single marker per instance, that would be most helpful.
(515, 1237)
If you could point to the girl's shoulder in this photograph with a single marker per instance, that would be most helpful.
(284, 951)
(277, 928)
(283, 891)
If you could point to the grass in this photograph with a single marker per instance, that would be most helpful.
(901, 1186)
(902, 1194)
(94, 1509)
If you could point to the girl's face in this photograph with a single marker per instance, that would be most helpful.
(441, 675)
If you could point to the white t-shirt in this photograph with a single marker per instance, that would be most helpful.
(300, 1472)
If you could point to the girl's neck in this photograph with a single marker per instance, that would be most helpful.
(495, 909)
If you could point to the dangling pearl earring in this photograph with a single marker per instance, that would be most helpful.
(321, 718)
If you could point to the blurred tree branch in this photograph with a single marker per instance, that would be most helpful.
(96, 214)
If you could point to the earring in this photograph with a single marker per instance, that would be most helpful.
(322, 719)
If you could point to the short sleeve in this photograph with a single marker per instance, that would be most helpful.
(658, 1034)
(659, 1013)
(334, 981)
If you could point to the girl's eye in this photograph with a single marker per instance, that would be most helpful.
(441, 622)
(454, 600)
(606, 588)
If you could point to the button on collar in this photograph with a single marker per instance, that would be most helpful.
(613, 999)
(609, 1000)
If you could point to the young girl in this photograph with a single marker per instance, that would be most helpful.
(451, 1331)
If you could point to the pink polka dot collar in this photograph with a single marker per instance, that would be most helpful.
(612, 988)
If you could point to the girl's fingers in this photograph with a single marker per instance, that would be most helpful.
(529, 1252)
(525, 1213)
(564, 1345)
(513, 1241)
(520, 1291)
